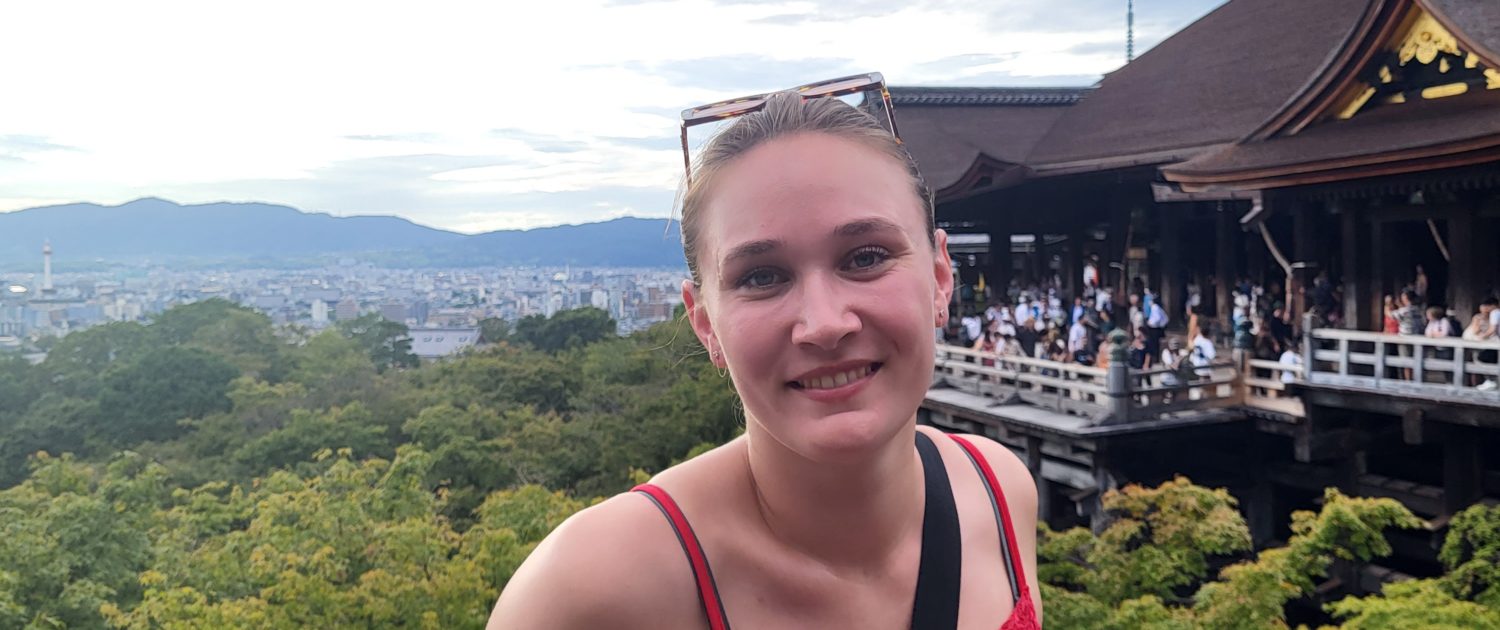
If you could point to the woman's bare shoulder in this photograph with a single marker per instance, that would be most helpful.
(617, 565)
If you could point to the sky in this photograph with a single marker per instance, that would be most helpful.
(471, 116)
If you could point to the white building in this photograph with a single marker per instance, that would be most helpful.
(434, 343)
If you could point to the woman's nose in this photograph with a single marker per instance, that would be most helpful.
(826, 316)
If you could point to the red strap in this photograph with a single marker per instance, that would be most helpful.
(708, 592)
(1010, 531)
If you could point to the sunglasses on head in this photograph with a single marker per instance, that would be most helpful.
(724, 110)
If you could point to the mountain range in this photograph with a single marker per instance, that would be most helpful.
(157, 230)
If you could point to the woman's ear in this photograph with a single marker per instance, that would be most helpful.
(942, 270)
(697, 315)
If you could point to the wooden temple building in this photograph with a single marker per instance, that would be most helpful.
(1335, 144)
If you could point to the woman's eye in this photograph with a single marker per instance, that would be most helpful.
(760, 279)
(869, 258)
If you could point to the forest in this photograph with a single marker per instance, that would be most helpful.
(209, 469)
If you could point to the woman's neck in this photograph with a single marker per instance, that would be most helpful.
(849, 515)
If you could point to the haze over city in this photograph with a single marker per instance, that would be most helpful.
(471, 116)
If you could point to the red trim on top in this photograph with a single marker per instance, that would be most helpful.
(713, 608)
(1010, 531)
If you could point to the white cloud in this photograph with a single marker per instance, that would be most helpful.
(295, 102)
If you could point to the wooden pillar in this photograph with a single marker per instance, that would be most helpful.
(1224, 264)
(1073, 275)
(1463, 468)
(998, 274)
(1039, 259)
(1171, 259)
(1104, 481)
(1119, 228)
(1043, 487)
(1358, 284)
(1259, 502)
(1463, 276)
(1377, 266)
(1305, 247)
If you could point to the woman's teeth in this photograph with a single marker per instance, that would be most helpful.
(837, 380)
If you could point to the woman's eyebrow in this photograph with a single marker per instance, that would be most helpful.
(752, 248)
(865, 226)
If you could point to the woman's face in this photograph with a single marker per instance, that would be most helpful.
(820, 291)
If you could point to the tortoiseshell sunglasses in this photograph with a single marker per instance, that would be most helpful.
(842, 86)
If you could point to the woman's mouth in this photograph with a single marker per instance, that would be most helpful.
(837, 380)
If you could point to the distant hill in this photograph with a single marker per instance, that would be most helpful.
(626, 242)
(257, 233)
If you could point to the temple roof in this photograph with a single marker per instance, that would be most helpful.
(1396, 139)
(1211, 83)
(1383, 107)
(950, 131)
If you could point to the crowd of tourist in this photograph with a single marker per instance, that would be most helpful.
(1035, 322)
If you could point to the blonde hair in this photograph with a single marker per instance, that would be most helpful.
(785, 115)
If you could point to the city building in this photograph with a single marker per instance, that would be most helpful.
(436, 343)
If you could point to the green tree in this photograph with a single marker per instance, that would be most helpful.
(387, 343)
(145, 399)
(564, 330)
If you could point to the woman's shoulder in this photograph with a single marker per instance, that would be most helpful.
(617, 564)
(1015, 479)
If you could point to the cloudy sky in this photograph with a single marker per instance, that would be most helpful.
(470, 116)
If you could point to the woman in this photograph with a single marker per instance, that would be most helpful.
(816, 272)
(989, 345)
(1390, 325)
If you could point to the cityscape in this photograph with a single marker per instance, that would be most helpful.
(441, 307)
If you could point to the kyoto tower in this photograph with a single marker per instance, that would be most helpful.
(47, 266)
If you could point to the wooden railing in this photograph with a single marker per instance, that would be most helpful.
(1064, 387)
(1441, 365)
(1445, 367)
(1105, 395)
(1265, 386)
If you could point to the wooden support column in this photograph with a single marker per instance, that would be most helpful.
(1073, 275)
(1463, 468)
(1171, 259)
(1358, 283)
(1119, 228)
(997, 276)
(1377, 266)
(1104, 481)
(1043, 487)
(1464, 276)
(1225, 270)
(1305, 247)
(1260, 507)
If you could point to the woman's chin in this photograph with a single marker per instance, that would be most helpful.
(848, 436)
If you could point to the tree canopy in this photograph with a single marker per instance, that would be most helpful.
(210, 470)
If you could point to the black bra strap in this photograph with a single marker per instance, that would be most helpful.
(941, 568)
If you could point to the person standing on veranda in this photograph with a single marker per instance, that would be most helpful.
(816, 272)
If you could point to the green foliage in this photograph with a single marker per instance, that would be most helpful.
(145, 398)
(1414, 605)
(300, 481)
(387, 343)
(1148, 568)
(226, 474)
(564, 331)
(1471, 553)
